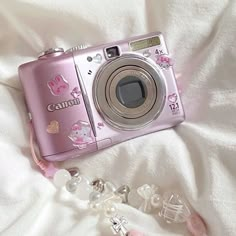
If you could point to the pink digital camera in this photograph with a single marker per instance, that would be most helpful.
(87, 99)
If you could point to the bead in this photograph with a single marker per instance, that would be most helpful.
(84, 189)
(61, 177)
(134, 198)
(123, 192)
(109, 187)
(196, 226)
(109, 210)
(135, 233)
(98, 185)
(73, 184)
(94, 196)
(74, 171)
(50, 171)
(156, 201)
(174, 209)
(95, 205)
(110, 197)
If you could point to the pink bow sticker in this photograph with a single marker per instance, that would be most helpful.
(76, 127)
(75, 92)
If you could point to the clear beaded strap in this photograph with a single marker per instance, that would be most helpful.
(104, 196)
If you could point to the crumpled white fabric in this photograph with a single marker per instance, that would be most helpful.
(196, 158)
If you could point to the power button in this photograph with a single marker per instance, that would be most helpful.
(51, 52)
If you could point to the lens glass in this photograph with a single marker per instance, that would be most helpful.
(131, 92)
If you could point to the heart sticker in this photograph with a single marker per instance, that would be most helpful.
(53, 127)
(97, 58)
(172, 98)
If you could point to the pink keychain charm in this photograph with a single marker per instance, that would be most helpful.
(50, 171)
(196, 226)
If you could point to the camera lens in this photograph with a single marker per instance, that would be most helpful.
(113, 52)
(131, 92)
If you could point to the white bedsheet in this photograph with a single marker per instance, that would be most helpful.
(197, 158)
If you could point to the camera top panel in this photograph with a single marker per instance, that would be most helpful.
(150, 45)
(145, 43)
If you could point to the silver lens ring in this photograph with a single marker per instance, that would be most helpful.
(145, 78)
(112, 113)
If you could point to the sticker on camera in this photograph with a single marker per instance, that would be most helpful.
(75, 92)
(164, 61)
(53, 127)
(174, 105)
(97, 58)
(58, 85)
(80, 134)
(100, 125)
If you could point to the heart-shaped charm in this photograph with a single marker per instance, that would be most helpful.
(172, 98)
(98, 185)
(97, 58)
(123, 193)
(53, 127)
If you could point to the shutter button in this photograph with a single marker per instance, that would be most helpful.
(51, 52)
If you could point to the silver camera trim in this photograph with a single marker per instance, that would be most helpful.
(105, 76)
(130, 113)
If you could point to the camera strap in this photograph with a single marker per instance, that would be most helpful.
(103, 196)
(47, 167)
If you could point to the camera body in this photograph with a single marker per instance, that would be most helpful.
(82, 101)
